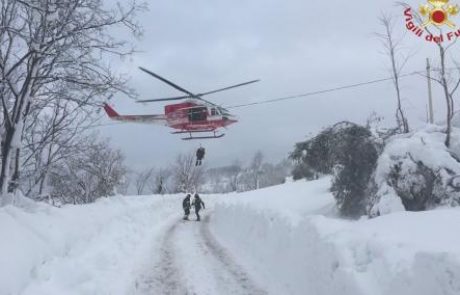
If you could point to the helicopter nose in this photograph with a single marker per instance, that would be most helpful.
(228, 120)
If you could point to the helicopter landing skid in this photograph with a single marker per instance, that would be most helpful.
(204, 137)
(194, 131)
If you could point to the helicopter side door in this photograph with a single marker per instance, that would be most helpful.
(197, 114)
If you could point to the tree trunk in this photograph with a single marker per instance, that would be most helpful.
(449, 100)
(14, 184)
(392, 49)
(11, 126)
(6, 160)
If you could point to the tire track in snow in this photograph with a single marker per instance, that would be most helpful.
(221, 274)
(167, 278)
(227, 263)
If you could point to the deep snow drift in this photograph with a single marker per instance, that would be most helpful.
(286, 238)
(284, 234)
(91, 249)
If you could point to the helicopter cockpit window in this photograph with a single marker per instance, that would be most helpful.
(197, 114)
(214, 112)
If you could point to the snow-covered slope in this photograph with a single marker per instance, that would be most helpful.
(279, 240)
(92, 249)
(284, 237)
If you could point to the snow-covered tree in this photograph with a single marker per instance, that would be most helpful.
(357, 154)
(349, 152)
(254, 171)
(143, 179)
(47, 46)
(187, 176)
(258, 174)
(94, 170)
(161, 182)
(274, 174)
(234, 176)
(50, 135)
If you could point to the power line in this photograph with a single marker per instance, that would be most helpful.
(319, 92)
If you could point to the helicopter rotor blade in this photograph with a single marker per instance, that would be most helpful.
(182, 97)
(167, 82)
(162, 99)
(227, 88)
(198, 96)
(176, 98)
(189, 94)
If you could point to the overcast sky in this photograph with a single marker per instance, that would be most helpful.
(293, 46)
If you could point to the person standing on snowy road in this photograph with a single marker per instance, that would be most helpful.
(186, 205)
(198, 204)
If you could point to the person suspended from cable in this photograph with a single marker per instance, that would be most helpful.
(200, 152)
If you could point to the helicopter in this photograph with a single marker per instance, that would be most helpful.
(194, 115)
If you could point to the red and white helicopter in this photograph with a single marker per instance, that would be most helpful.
(194, 115)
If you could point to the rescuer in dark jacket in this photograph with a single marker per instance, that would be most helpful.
(199, 155)
(198, 204)
(186, 205)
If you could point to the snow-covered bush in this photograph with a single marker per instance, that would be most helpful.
(356, 153)
(420, 170)
(416, 189)
(302, 170)
(352, 176)
(350, 153)
(315, 155)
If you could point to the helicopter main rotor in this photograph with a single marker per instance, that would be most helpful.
(189, 95)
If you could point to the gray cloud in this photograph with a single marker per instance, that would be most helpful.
(294, 46)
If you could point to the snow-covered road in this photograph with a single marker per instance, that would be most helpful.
(191, 261)
(281, 240)
(135, 246)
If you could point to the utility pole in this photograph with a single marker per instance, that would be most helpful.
(430, 93)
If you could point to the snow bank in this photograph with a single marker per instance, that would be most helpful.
(296, 251)
(92, 249)
(293, 200)
(425, 145)
(417, 169)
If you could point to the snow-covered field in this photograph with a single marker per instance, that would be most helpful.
(279, 240)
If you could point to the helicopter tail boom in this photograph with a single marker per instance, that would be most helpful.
(147, 119)
(110, 111)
